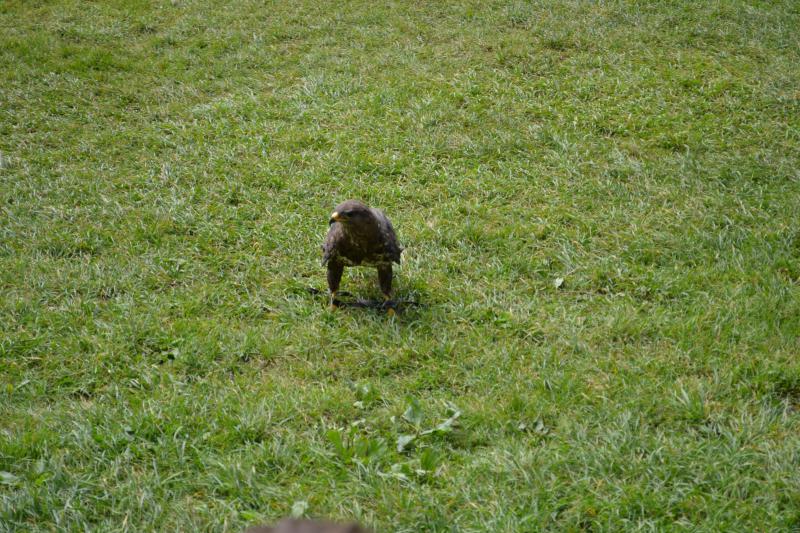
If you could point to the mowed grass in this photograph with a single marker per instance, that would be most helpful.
(600, 204)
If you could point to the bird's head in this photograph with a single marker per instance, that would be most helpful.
(350, 212)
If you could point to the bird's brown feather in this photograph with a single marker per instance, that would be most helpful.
(371, 241)
(360, 236)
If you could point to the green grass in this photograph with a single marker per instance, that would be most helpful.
(167, 172)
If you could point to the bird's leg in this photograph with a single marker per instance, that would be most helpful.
(335, 270)
(385, 281)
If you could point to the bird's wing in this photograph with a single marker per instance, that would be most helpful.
(329, 246)
(389, 237)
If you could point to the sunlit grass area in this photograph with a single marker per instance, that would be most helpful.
(599, 203)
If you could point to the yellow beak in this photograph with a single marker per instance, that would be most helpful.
(335, 217)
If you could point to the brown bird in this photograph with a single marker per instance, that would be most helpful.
(359, 235)
(292, 525)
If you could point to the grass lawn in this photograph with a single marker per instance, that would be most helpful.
(600, 203)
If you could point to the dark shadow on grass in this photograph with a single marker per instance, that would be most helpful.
(399, 305)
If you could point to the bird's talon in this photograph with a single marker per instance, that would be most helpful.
(388, 304)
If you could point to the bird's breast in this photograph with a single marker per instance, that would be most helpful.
(372, 261)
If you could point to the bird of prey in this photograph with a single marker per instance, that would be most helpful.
(359, 235)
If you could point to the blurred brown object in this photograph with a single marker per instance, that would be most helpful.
(293, 525)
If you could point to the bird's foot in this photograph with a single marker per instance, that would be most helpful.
(388, 304)
(334, 305)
